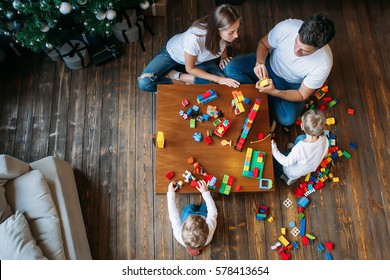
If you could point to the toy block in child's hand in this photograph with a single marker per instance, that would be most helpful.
(263, 83)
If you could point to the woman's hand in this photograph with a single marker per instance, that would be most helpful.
(224, 61)
(229, 82)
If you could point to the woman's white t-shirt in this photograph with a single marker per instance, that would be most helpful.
(193, 42)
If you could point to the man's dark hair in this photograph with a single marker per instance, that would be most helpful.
(317, 31)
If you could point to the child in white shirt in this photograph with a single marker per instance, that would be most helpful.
(195, 228)
(308, 151)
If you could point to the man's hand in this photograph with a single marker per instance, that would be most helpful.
(270, 89)
(260, 71)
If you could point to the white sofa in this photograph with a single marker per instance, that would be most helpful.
(40, 213)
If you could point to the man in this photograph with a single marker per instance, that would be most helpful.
(296, 58)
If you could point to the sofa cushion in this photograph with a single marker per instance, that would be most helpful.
(5, 209)
(16, 242)
(11, 167)
(31, 195)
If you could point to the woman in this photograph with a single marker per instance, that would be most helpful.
(201, 49)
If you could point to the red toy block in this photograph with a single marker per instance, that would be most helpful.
(327, 99)
(285, 255)
(329, 245)
(301, 209)
(169, 175)
(298, 192)
(351, 111)
(305, 240)
(255, 172)
(194, 184)
(298, 122)
(260, 136)
(238, 188)
(208, 140)
(230, 181)
(184, 102)
(319, 185)
(322, 107)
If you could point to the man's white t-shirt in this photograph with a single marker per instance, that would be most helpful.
(193, 42)
(304, 157)
(312, 70)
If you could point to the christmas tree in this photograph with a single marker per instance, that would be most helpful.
(40, 25)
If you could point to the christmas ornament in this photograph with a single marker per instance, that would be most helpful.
(111, 14)
(52, 24)
(16, 25)
(144, 5)
(10, 14)
(44, 27)
(65, 8)
(17, 4)
(100, 15)
(48, 46)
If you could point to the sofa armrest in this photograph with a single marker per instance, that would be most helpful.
(60, 178)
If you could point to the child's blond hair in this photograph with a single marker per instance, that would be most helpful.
(195, 232)
(313, 122)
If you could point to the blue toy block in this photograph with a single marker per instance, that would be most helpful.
(206, 117)
(291, 224)
(246, 100)
(295, 245)
(328, 256)
(302, 228)
(320, 247)
(303, 201)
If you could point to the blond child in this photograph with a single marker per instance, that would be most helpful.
(307, 152)
(195, 228)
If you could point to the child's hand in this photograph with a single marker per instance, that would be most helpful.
(172, 187)
(202, 186)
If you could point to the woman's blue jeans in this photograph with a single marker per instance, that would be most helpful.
(192, 209)
(162, 64)
(284, 112)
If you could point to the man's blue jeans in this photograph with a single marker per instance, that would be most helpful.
(162, 64)
(284, 112)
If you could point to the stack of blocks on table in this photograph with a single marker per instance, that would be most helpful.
(226, 184)
(207, 96)
(247, 125)
(237, 102)
(253, 164)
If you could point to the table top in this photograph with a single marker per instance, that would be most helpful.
(216, 159)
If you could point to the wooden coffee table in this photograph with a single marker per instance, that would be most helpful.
(216, 159)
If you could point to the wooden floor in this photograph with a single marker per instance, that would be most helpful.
(100, 122)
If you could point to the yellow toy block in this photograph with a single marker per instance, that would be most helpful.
(271, 219)
(263, 83)
(283, 240)
(330, 121)
(307, 177)
(283, 230)
(335, 180)
(160, 139)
